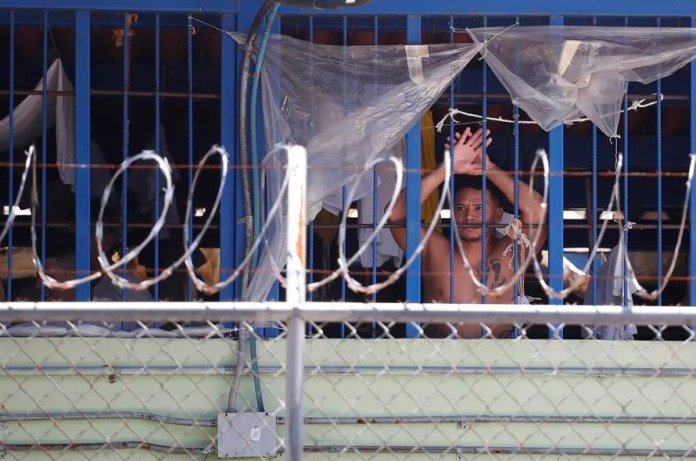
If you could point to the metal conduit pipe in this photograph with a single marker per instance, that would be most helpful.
(348, 420)
(332, 369)
(351, 449)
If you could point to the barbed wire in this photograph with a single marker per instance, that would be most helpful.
(211, 289)
(344, 262)
(15, 206)
(343, 265)
(550, 292)
(452, 112)
(642, 292)
(356, 286)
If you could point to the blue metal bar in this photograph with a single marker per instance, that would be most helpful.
(82, 151)
(625, 193)
(375, 32)
(453, 207)
(484, 126)
(593, 211)
(595, 265)
(310, 295)
(189, 89)
(555, 211)
(125, 144)
(344, 41)
(274, 293)
(155, 289)
(170, 6)
(228, 126)
(692, 207)
(616, 8)
(10, 182)
(659, 185)
(66, 18)
(516, 167)
(44, 116)
(413, 192)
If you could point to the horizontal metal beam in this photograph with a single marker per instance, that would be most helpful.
(345, 311)
(131, 6)
(461, 420)
(663, 8)
(348, 370)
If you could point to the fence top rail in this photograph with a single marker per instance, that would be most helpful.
(344, 311)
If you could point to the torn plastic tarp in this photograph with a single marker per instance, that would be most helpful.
(558, 73)
(347, 106)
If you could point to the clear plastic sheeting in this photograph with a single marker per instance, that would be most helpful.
(348, 106)
(558, 73)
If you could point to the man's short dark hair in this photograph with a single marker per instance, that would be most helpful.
(464, 181)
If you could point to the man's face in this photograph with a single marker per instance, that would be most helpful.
(469, 209)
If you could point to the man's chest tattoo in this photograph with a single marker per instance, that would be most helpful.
(495, 277)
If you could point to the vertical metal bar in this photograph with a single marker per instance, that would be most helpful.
(82, 151)
(413, 192)
(375, 33)
(270, 332)
(125, 141)
(484, 127)
(311, 225)
(296, 267)
(555, 212)
(516, 167)
(659, 185)
(593, 211)
(625, 192)
(228, 125)
(189, 72)
(155, 289)
(10, 181)
(692, 207)
(593, 220)
(344, 41)
(44, 116)
(310, 329)
(453, 207)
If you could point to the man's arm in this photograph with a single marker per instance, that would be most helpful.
(530, 205)
(429, 183)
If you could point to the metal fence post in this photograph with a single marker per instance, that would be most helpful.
(296, 246)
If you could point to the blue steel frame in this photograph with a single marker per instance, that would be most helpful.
(237, 15)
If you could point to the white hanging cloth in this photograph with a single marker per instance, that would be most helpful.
(60, 110)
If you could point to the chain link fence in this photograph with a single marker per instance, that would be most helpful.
(81, 390)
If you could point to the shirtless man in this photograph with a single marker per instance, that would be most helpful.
(467, 213)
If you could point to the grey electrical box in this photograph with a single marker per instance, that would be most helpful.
(242, 435)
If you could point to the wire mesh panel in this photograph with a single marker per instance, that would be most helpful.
(80, 391)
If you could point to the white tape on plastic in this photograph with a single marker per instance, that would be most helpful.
(414, 55)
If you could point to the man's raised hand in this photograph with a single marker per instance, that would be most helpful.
(468, 150)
